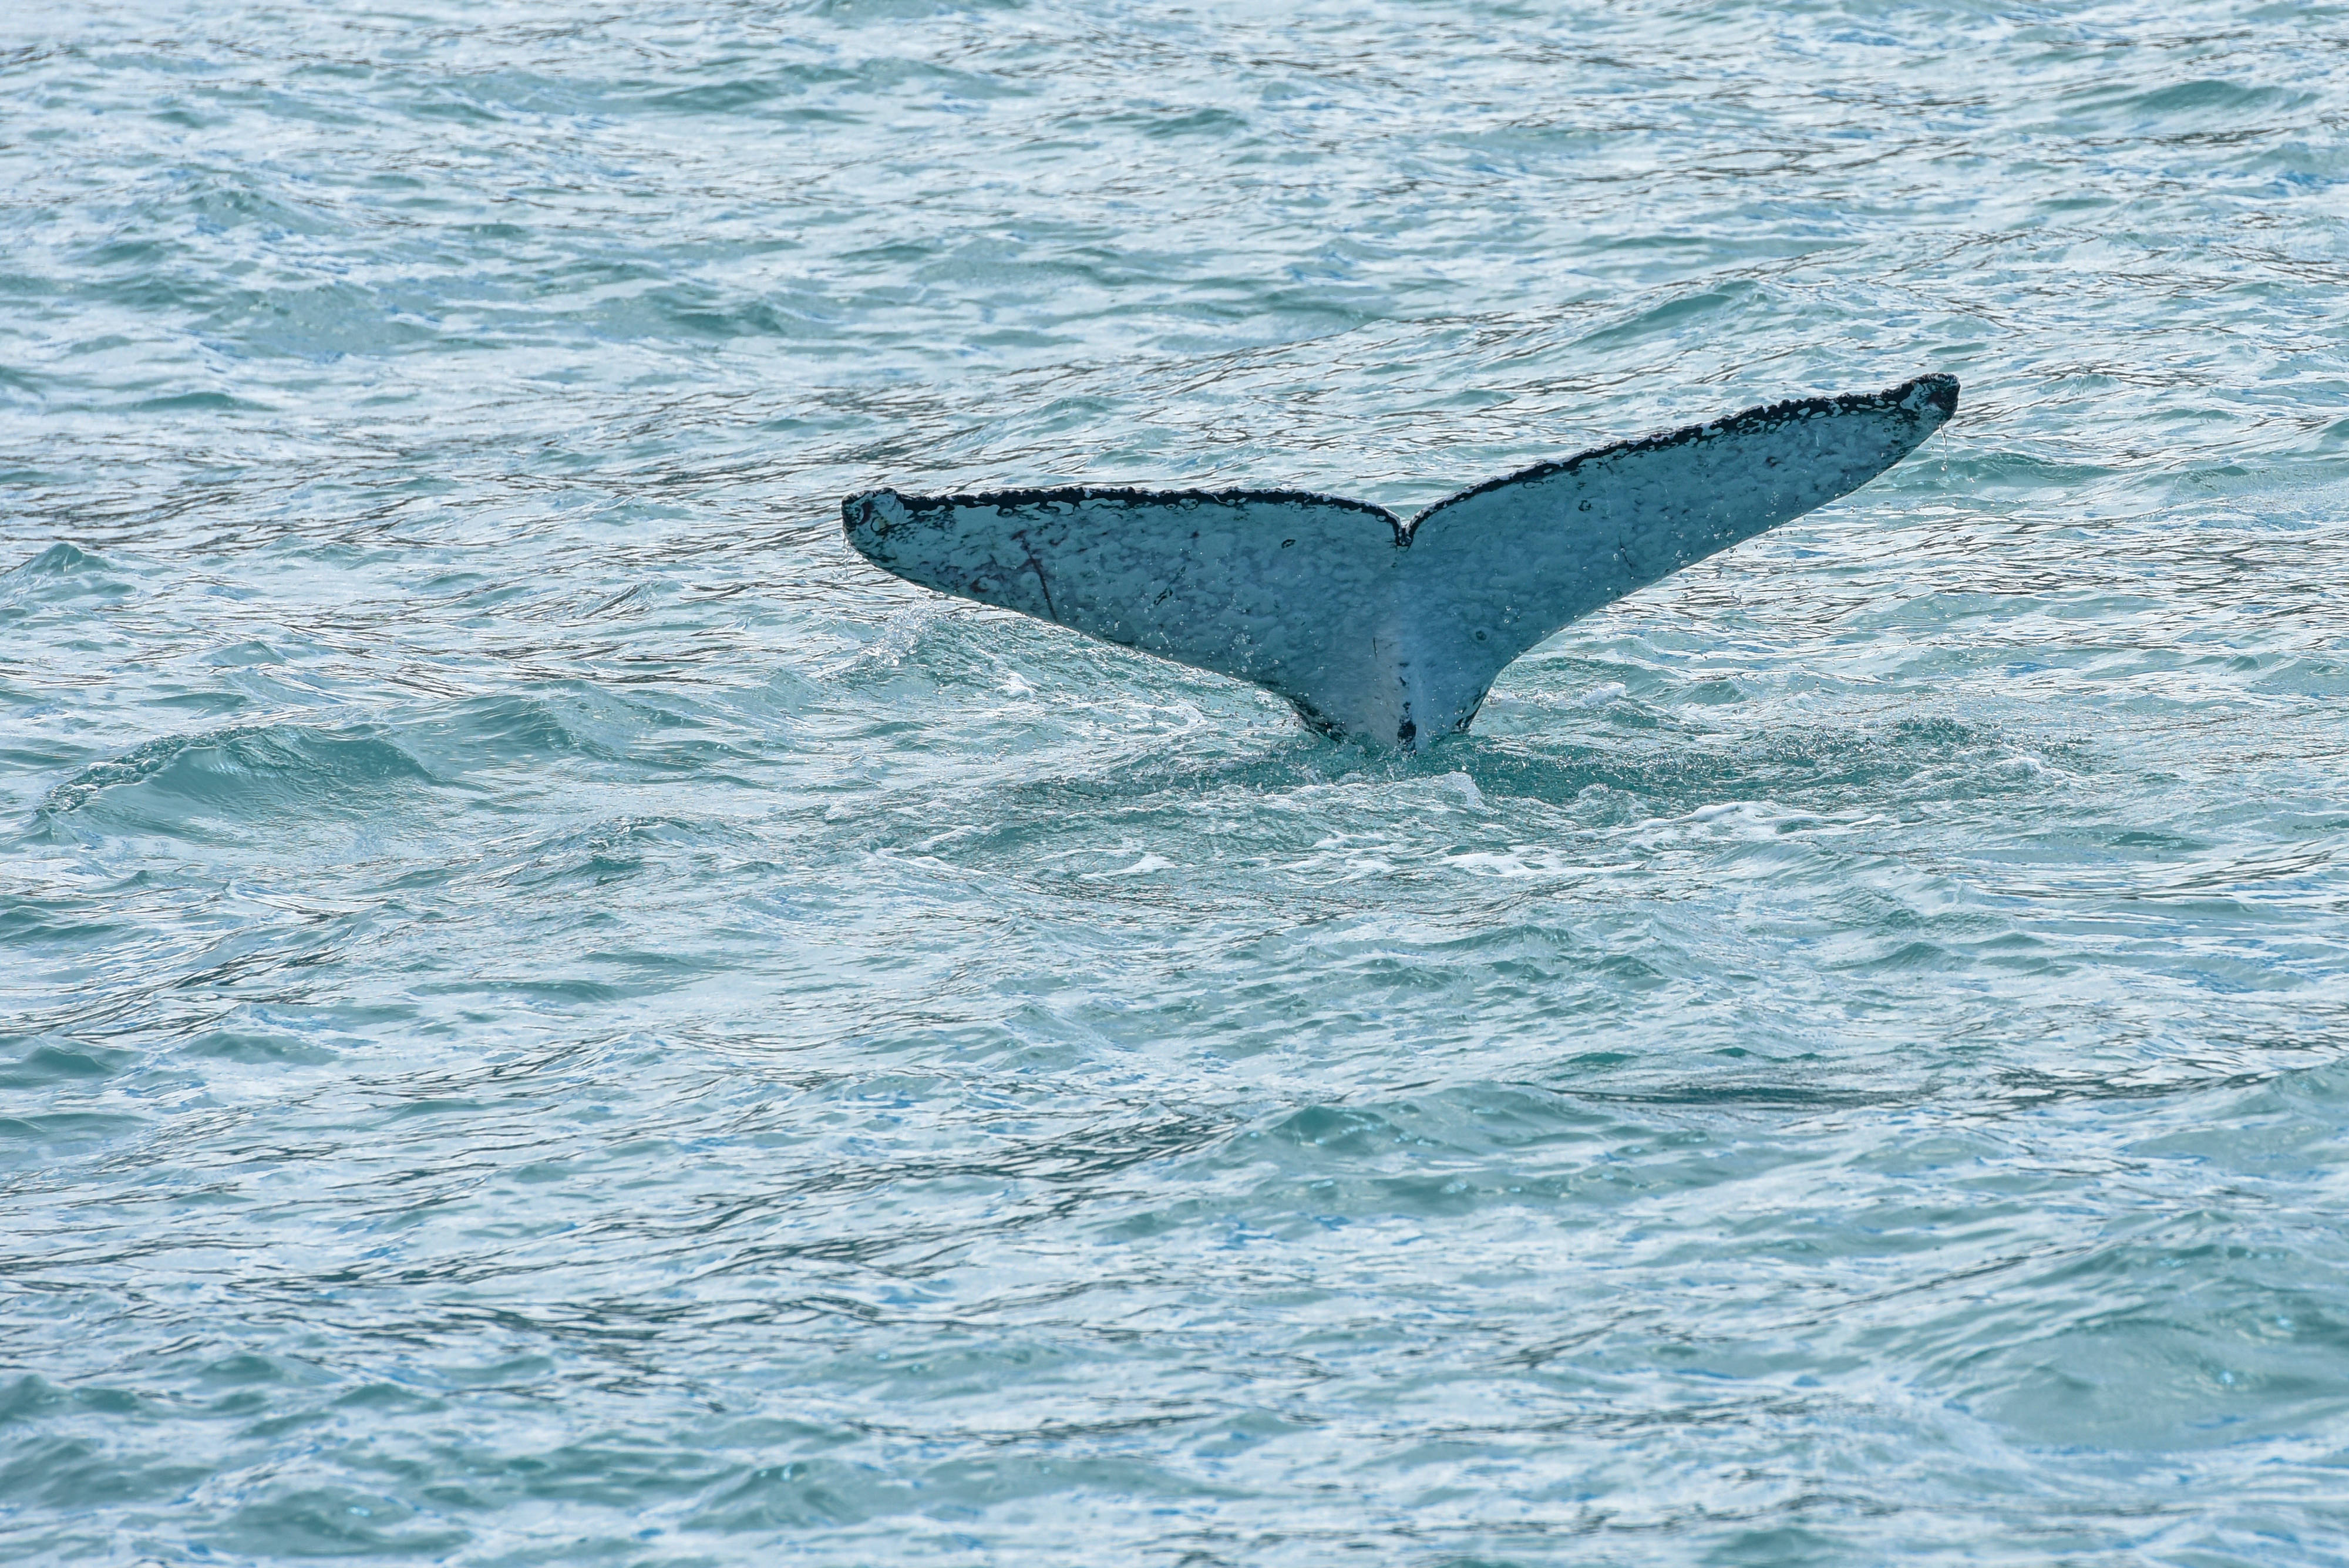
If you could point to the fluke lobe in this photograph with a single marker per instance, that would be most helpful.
(1375, 629)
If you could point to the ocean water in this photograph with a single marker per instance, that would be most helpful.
(550, 1015)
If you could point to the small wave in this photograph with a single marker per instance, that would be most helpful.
(60, 573)
(2213, 96)
(59, 560)
(248, 773)
(557, 722)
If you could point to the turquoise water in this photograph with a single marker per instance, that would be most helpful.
(549, 1015)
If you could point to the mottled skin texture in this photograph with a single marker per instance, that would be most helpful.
(1376, 628)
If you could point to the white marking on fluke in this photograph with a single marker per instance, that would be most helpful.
(1387, 631)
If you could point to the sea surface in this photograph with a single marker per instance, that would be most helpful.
(550, 1015)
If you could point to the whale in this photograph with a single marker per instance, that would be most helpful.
(1375, 629)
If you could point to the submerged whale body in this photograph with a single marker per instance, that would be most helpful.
(1375, 629)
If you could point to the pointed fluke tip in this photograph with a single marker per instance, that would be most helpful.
(866, 519)
(1937, 391)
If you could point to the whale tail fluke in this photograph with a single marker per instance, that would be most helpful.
(1374, 627)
